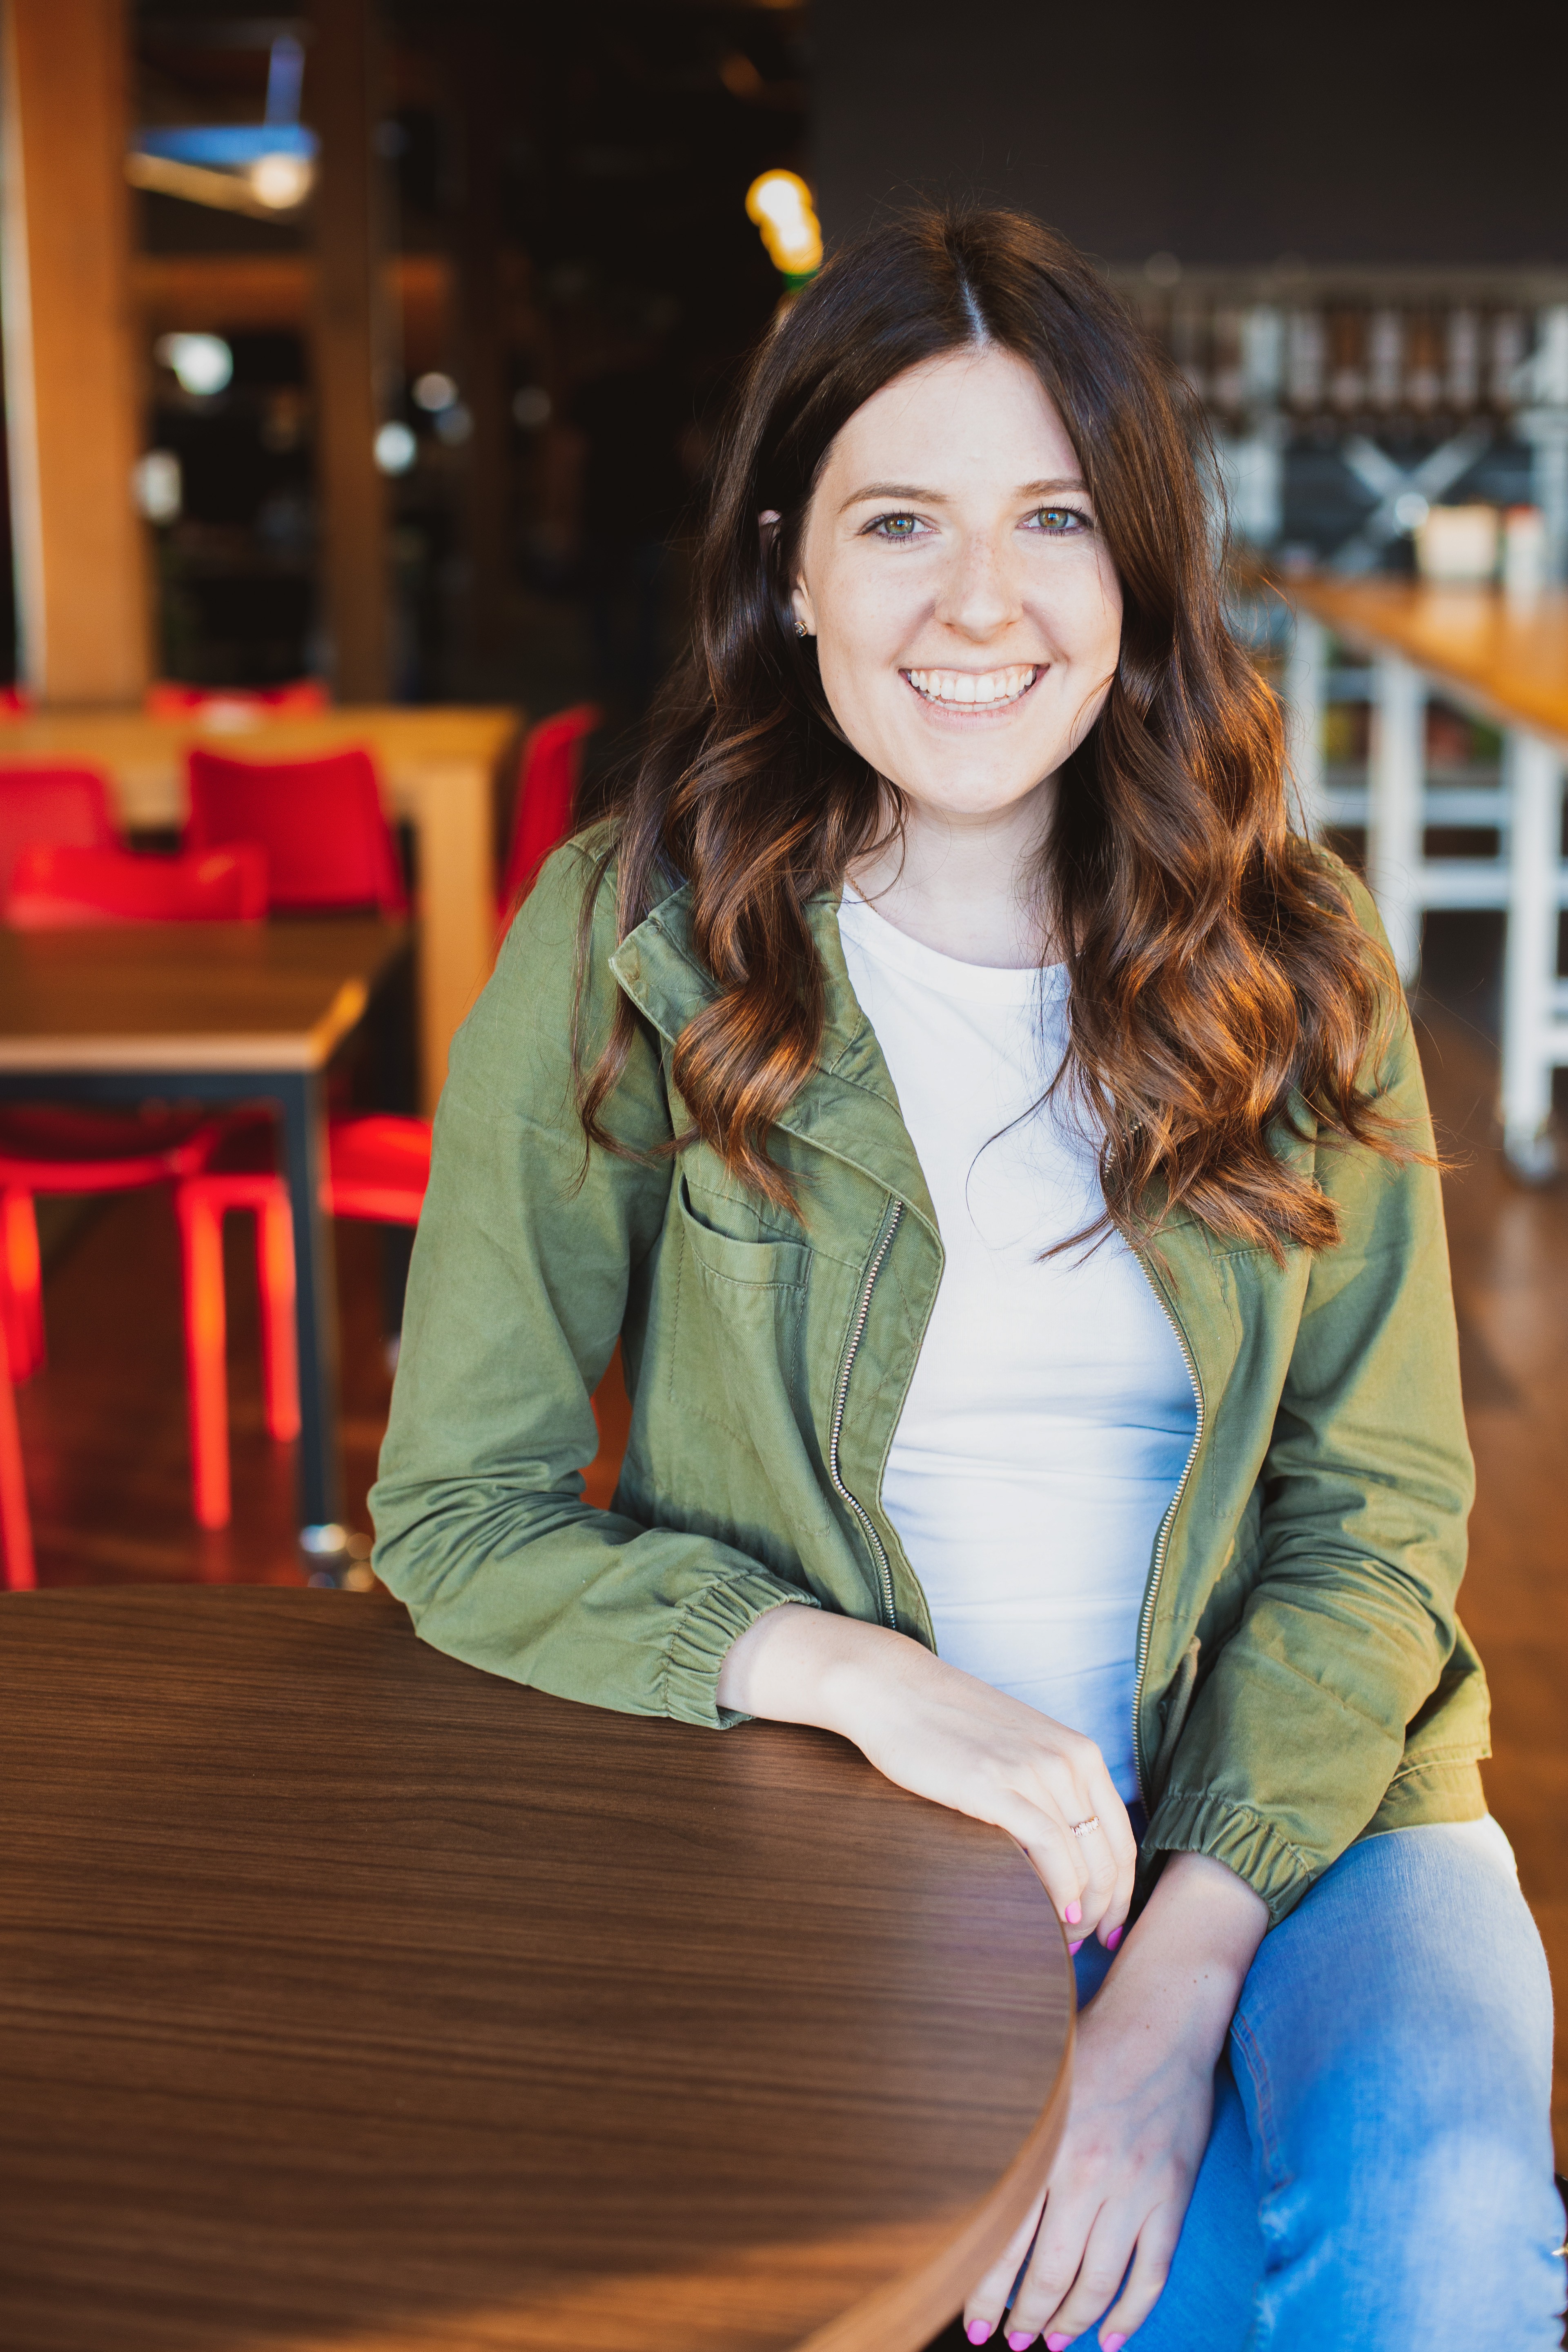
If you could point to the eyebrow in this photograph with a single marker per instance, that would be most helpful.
(927, 498)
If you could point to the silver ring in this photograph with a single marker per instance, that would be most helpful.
(1082, 1829)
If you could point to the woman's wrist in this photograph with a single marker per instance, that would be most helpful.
(809, 1665)
(1180, 1973)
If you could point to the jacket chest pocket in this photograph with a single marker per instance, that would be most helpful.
(740, 1324)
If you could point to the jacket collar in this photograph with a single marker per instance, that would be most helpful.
(849, 1107)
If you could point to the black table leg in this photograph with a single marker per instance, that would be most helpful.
(299, 1096)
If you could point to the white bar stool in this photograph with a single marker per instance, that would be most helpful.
(1527, 879)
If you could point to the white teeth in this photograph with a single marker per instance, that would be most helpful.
(964, 685)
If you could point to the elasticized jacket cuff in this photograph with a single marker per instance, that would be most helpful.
(1192, 1821)
(707, 1633)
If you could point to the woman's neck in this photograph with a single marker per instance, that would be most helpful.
(969, 887)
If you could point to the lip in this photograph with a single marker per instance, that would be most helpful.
(973, 714)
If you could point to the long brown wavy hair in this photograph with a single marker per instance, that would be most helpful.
(1219, 979)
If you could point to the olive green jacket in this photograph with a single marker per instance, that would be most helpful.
(1302, 1677)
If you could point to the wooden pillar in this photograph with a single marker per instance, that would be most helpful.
(352, 346)
(71, 380)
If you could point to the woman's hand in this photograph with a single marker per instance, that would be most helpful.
(1142, 2097)
(951, 1739)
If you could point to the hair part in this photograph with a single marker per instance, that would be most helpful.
(1220, 983)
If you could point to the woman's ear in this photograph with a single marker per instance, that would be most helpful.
(800, 602)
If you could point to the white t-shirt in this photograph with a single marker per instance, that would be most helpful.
(1051, 1411)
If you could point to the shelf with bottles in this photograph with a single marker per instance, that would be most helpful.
(1346, 403)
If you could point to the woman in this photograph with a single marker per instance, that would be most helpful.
(999, 1148)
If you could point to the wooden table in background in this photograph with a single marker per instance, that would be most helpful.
(441, 764)
(353, 1998)
(221, 1013)
(1508, 658)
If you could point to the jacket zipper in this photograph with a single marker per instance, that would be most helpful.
(1161, 1541)
(841, 1395)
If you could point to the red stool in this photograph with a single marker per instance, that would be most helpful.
(65, 1151)
(548, 774)
(201, 1203)
(50, 800)
(378, 1166)
(320, 821)
(16, 1527)
(71, 1152)
(57, 887)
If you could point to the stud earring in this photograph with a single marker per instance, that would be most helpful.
(800, 628)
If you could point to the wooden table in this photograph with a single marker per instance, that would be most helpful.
(1508, 661)
(439, 763)
(353, 1998)
(215, 1013)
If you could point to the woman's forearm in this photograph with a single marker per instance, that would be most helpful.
(1180, 1973)
(809, 1665)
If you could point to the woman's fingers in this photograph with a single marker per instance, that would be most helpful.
(1073, 2274)
(1111, 1848)
(1150, 2269)
(1080, 1789)
(1066, 2232)
(984, 2306)
(1100, 1861)
(1061, 1870)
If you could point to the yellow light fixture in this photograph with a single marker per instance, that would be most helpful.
(780, 203)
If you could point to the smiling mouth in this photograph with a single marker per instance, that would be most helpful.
(966, 689)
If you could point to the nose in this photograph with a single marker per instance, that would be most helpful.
(982, 590)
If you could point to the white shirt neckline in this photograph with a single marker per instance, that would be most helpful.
(978, 983)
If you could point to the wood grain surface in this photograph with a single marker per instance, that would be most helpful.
(352, 1998)
(188, 996)
(1509, 658)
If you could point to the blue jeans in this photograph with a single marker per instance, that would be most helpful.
(1379, 2173)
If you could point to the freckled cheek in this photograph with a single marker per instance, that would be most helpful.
(860, 645)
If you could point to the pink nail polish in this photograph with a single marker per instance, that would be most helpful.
(1057, 2343)
(1076, 1948)
(1073, 1913)
(1113, 2344)
(1019, 2339)
(981, 2331)
(1111, 1943)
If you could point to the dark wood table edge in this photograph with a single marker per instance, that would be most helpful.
(906, 2310)
(905, 2313)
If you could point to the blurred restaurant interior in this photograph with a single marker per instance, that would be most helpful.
(407, 323)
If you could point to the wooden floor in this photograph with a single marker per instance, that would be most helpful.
(103, 1428)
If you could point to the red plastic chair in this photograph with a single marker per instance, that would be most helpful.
(549, 773)
(56, 888)
(15, 1526)
(320, 820)
(237, 706)
(54, 802)
(378, 1166)
(69, 1152)
(201, 1203)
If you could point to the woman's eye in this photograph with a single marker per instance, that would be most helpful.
(1059, 521)
(896, 526)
